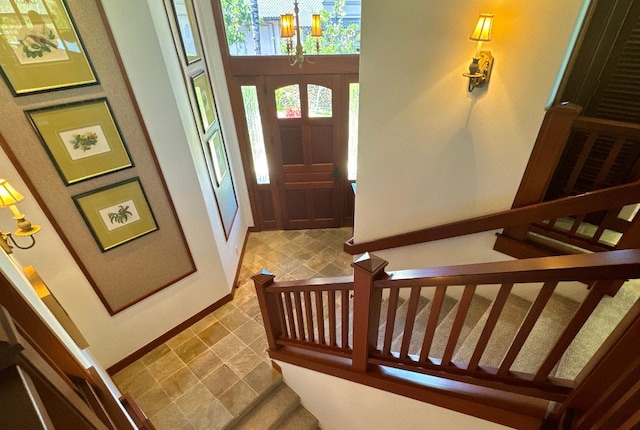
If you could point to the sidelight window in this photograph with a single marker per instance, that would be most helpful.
(256, 137)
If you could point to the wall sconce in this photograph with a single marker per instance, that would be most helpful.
(8, 199)
(289, 27)
(480, 67)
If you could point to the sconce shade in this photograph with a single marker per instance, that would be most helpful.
(316, 26)
(8, 195)
(482, 32)
(286, 25)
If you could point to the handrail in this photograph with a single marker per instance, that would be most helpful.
(608, 198)
(343, 324)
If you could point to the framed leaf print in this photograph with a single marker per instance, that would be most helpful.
(188, 28)
(204, 99)
(40, 49)
(82, 139)
(117, 214)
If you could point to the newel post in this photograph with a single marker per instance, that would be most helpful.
(268, 307)
(366, 307)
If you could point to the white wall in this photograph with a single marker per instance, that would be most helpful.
(346, 405)
(429, 151)
(135, 25)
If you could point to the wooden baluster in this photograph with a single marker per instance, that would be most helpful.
(458, 324)
(391, 320)
(308, 313)
(293, 333)
(581, 316)
(268, 308)
(412, 310)
(366, 308)
(576, 224)
(320, 317)
(582, 159)
(299, 319)
(332, 318)
(527, 325)
(608, 164)
(487, 331)
(432, 324)
(344, 295)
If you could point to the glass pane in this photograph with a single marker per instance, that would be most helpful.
(354, 103)
(253, 26)
(288, 102)
(628, 213)
(256, 137)
(319, 101)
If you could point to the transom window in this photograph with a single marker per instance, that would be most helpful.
(253, 26)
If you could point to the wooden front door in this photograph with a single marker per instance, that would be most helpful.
(306, 155)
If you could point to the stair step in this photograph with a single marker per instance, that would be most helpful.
(271, 411)
(299, 419)
(598, 327)
(384, 308)
(476, 309)
(420, 326)
(420, 322)
(552, 322)
(511, 317)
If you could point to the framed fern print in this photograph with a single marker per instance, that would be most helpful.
(117, 214)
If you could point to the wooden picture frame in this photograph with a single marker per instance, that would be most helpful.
(82, 139)
(187, 24)
(40, 49)
(204, 100)
(218, 157)
(117, 214)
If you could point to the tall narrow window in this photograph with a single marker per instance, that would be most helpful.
(256, 136)
(288, 102)
(319, 99)
(354, 103)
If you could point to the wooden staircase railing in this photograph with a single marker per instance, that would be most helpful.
(313, 318)
(576, 208)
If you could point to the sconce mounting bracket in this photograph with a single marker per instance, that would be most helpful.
(480, 70)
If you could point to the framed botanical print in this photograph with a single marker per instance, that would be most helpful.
(218, 157)
(117, 214)
(82, 139)
(188, 28)
(40, 49)
(204, 100)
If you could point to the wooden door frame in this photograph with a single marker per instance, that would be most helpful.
(240, 70)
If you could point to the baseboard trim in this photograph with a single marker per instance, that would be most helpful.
(138, 354)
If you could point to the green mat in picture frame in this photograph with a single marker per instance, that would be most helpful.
(40, 49)
(205, 101)
(82, 139)
(117, 214)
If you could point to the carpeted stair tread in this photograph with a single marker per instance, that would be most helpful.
(511, 317)
(299, 419)
(271, 411)
(477, 308)
(384, 308)
(597, 328)
(553, 320)
(401, 318)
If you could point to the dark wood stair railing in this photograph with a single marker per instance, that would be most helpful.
(293, 327)
(614, 198)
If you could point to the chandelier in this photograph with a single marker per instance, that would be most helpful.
(289, 28)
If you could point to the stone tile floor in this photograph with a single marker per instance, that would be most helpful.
(207, 374)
